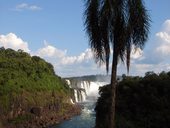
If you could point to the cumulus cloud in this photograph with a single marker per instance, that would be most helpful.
(164, 37)
(166, 26)
(51, 51)
(164, 49)
(83, 63)
(157, 57)
(143, 68)
(164, 45)
(85, 56)
(159, 49)
(66, 65)
(136, 53)
(25, 6)
(12, 41)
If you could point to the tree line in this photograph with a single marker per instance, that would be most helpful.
(141, 102)
(26, 77)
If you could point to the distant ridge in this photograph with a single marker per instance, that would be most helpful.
(99, 78)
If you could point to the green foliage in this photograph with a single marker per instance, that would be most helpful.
(140, 102)
(21, 119)
(20, 73)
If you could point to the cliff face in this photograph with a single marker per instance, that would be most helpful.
(31, 95)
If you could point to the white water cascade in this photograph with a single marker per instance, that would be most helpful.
(85, 90)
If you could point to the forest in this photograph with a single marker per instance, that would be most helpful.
(29, 89)
(141, 102)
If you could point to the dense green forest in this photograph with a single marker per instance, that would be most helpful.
(141, 102)
(26, 72)
(26, 82)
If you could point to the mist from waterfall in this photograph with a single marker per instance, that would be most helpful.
(85, 90)
(85, 94)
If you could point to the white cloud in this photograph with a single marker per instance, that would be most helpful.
(166, 26)
(163, 48)
(83, 63)
(85, 56)
(12, 41)
(143, 68)
(136, 53)
(25, 6)
(156, 58)
(164, 36)
(66, 65)
(51, 51)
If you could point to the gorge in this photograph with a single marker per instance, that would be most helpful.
(85, 94)
(32, 95)
(141, 102)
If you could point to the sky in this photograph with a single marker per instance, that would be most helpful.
(54, 30)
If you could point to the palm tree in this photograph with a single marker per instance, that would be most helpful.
(116, 25)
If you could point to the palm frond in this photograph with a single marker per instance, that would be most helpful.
(117, 25)
(104, 27)
(93, 29)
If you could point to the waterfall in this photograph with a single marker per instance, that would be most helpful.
(75, 95)
(93, 92)
(85, 90)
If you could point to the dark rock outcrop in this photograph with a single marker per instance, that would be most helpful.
(36, 110)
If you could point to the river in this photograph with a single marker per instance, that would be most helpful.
(87, 117)
(85, 120)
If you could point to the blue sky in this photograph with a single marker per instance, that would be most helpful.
(54, 30)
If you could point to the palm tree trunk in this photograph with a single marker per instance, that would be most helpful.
(113, 91)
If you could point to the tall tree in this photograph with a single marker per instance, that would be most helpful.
(116, 25)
